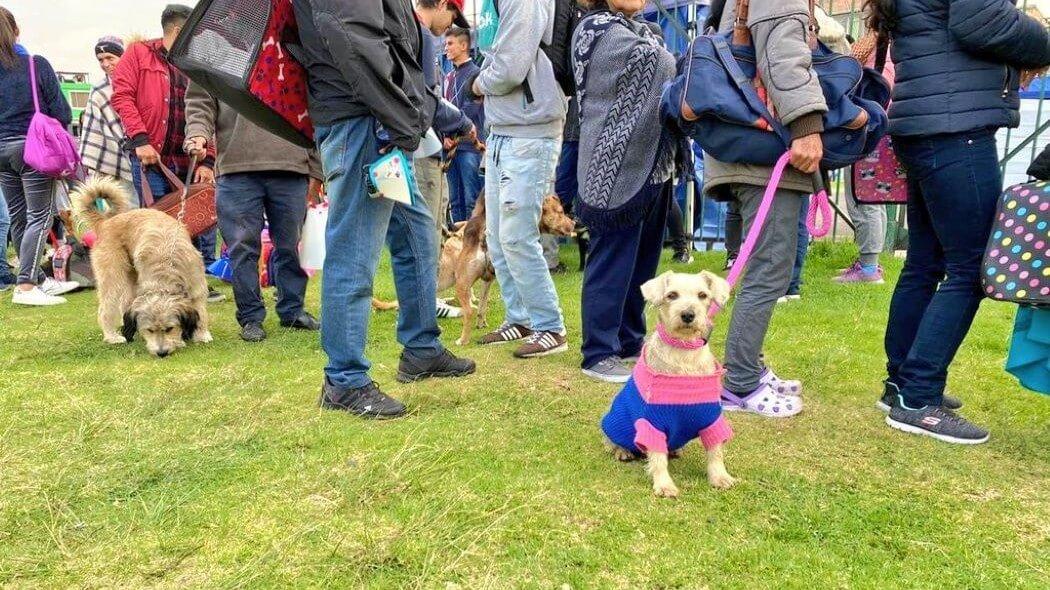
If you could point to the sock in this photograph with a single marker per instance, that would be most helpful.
(869, 269)
(869, 262)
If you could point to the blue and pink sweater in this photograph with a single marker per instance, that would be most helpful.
(660, 413)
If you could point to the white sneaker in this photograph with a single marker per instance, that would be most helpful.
(56, 288)
(445, 310)
(789, 298)
(35, 296)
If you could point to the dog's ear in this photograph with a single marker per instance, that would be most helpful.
(189, 319)
(654, 290)
(718, 286)
(131, 326)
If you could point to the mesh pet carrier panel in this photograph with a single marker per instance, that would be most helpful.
(238, 51)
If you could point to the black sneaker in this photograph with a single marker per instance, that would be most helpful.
(936, 422)
(413, 368)
(303, 321)
(366, 402)
(891, 391)
(253, 333)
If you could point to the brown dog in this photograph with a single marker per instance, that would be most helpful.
(465, 260)
(149, 276)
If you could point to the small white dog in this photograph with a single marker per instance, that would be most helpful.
(674, 394)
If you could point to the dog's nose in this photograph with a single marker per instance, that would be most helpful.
(163, 353)
(688, 317)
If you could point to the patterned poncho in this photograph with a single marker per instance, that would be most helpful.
(621, 67)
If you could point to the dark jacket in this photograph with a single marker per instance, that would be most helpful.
(957, 64)
(363, 58)
(458, 92)
(1040, 166)
(16, 97)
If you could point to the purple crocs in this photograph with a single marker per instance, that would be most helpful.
(764, 401)
(788, 387)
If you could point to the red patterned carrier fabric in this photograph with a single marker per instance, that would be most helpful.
(240, 51)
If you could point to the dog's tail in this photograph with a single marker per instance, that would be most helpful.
(99, 199)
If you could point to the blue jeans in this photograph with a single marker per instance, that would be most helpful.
(953, 188)
(357, 228)
(242, 201)
(159, 185)
(465, 182)
(566, 182)
(519, 174)
(618, 263)
(803, 248)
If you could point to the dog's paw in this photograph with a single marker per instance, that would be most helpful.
(203, 337)
(721, 481)
(462, 342)
(665, 489)
(622, 454)
(117, 339)
(482, 323)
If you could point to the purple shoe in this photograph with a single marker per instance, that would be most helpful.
(763, 401)
(786, 387)
(857, 274)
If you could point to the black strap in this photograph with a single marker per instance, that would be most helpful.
(725, 54)
(714, 18)
(881, 51)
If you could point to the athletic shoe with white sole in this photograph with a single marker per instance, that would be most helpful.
(56, 288)
(891, 392)
(789, 298)
(445, 311)
(35, 297)
(505, 334)
(611, 370)
(936, 422)
(542, 344)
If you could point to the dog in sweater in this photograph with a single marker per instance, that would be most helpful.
(673, 395)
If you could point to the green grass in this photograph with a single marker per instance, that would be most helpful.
(214, 468)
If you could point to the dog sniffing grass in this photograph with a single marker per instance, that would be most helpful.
(215, 469)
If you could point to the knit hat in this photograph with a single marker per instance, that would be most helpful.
(110, 44)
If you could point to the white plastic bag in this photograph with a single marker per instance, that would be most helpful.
(312, 251)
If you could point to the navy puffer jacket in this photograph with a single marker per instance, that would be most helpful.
(958, 64)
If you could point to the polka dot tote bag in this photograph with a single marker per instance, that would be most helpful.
(1017, 260)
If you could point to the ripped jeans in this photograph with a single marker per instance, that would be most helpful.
(519, 174)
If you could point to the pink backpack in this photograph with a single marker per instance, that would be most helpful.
(50, 149)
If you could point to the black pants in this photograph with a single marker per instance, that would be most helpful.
(619, 263)
(31, 201)
(676, 227)
(242, 201)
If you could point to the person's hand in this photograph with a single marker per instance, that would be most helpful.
(1029, 76)
(147, 155)
(204, 175)
(806, 153)
(473, 134)
(448, 143)
(196, 146)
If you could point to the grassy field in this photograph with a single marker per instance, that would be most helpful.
(214, 468)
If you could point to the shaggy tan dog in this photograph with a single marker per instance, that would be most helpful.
(464, 260)
(149, 276)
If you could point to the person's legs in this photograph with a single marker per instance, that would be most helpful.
(206, 244)
(471, 181)
(795, 287)
(285, 212)
(31, 197)
(923, 270)
(870, 233)
(734, 230)
(961, 186)
(14, 196)
(158, 183)
(650, 247)
(414, 258)
(456, 199)
(566, 183)
(528, 166)
(239, 200)
(767, 278)
(357, 226)
(675, 223)
(512, 301)
(434, 190)
(606, 285)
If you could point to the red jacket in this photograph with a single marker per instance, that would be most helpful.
(141, 91)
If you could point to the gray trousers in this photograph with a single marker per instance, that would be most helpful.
(871, 229)
(767, 277)
(434, 188)
(31, 202)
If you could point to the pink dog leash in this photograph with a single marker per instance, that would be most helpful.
(819, 204)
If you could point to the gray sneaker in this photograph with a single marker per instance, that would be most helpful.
(936, 422)
(611, 370)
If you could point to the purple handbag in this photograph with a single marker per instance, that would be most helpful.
(49, 149)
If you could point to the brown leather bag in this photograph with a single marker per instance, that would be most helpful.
(191, 204)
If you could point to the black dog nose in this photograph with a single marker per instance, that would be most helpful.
(688, 317)
(162, 353)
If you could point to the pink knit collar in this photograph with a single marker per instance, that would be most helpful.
(673, 342)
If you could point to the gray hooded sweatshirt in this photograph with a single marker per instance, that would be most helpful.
(516, 57)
